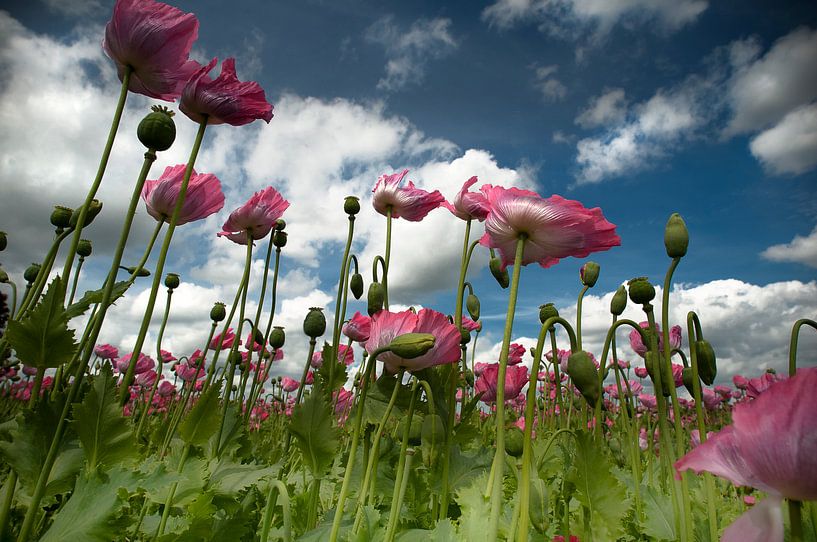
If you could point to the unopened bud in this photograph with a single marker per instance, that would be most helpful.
(84, 248)
(585, 376)
(546, 311)
(676, 236)
(157, 131)
(514, 438)
(94, 209)
(619, 301)
(707, 366)
(280, 224)
(315, 322)
(465, 336)
(641, 291)
(351, 205)
(172, 280)
(218, 312)
(472, 305)
(277, 337)
(501, 275)
(61, 216)
(689, 381)
(412, 345)
(589, 274)
(31, 272)
(356, 285)
(376, 298)
(139, 272)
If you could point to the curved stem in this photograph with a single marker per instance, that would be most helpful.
(344, 272)
(795, 333)
(76, 280)
(266, 522)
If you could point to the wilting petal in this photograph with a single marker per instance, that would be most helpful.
(763, 522)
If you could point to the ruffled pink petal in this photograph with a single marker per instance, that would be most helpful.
(763, 522)
(409, 203)
(258, 216)
(358, 328)
(447, 341)
(385, 327)
(469, 205)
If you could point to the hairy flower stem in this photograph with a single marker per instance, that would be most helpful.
(76, 280)
(499, 456)
(347, 477)
(160, 263)
(795, 333)
(403, 468)
(160, 360)
(579, 317)
(387, 257)
(344, 274)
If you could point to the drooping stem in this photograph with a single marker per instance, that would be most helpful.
(795, 333)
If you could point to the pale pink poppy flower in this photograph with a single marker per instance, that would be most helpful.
(563, 356)
(224, 99)
(758, 385)
(769, 446)
(555, 227)
(317, 360)
(641, 372)
(723, 391)
(648, 401)
(346, 354)
(358, 328)
(143, 364)
(640, 348)
(409, 202)
(516, 376)
(515, 353)
(710, 399)
(154, 39)
(106, 351)
(219, 343)
(386, 326)
(289, 384)
(203, 197)
(469, 205)
(678, 374)
(257, 216)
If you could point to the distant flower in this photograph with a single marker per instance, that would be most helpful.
(289, 384)
(641, 372)
(143, 364)
(469, 205)
(769, 446)
(203, 197)
(154, 39)
(741, 382)
(145, 379)
(106, 351)
(386, 326)
(710, 399)
(187, 371)
(562, 357)
(317, 360)
(224, 99)
(310, 378)
(555, 227)
(409, 203)
(648, 401)
(723, 391)
(758, 385)
(257, 216)
(515, 353)
(346, 354)
(358, 328)
(219, 343)
(516, 376)
(640, 348)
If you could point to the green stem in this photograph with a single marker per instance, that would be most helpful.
(579, 317)
(795, 332)
(386, 259)
(307, 365)
(401, 471)
(406, 470)
(160, 361)
(344, 272)
(169, 501)
(76, 279)
(795, 520)
(266, 522)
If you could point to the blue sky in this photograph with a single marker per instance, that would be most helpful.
(640, 107)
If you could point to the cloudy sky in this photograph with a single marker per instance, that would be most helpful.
(640, 107)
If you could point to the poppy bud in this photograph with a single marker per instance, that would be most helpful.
(501, 275)
(707, 366)
(619, 301)
(356, 285)
(277, 337)
(280, 224)
(257, 336)
(3, 241)
(472, 304)
(513, 441)
(157, 131)
(279, 238)
(235, 358)
(375, 298)
(585, 376)
(469, 377)
(589, 274)
(546, 311)
(412, 345)
(465, 336)
(641, 291)
(140, 272)
(676, 236)
(651, 360)
(4, 277)
(314, 323)
(218, 312)
(61, 216)
(84, 248)
(94, 209)
(351, 205)
(172, 281)
(688, 379)
(31, 272)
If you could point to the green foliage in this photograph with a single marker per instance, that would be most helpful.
(229, 478)
(233, 437)
(474, 524)
(92, 297)
(659, 516)
(203, 420)
(315, 436)
(43, 339)
(339, 374)
(104, 432)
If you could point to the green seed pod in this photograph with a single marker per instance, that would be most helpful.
(172, 281)
(314, 323)
(218, 312)
(651, 360)
(93, 210)
(676, 236)
(3, 241)
(514, 438)
(277, 337)
(279, 238)
(351, 205)
(356, 285)
(280, 224)
(619, 301)
(157, 131)
(547, 311)
(465, 336)
(376, 298)
(687, 375)
(641, 291)
(234, 358)
(585, 376)
(84, 248)
(140, 272)
(707, 365)
(501, 275)
(472, 305)
(589, 273)
(412, 345)
(61, 216)
(31, 272)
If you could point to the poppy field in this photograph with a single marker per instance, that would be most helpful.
(394, 430)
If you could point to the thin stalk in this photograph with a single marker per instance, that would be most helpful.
(795, 520)
(266, 522)
(344, 272)
(795, 333)
(307, 365)
(402, 470)
(169, 501)
(579, 316)
(386, 259)
(160, 361)
(76, 279)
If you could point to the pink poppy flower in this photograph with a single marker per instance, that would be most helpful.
(409, 203)
(289, 384)
(143, 364)
(640, 348)
(769, 446)
(154, 39)
(710, 399)
(515, 353)
(224, 99)
(469, 205)
(648, 401)
(166, 388)
(219, 343)
(145, 379)
(344, 400)
(358, 328)
(386, 326)
(641, 372)
(250, 343)
(555, 227)
(516, 376)
(29, 370)
(167, 357)
(256, 217)
(723, 391)
(203, 197)
(310, 378)
(470, 325)
(758, 385)
(678, 374)
(346, 354)
(317, 360)
(187, 372)
(479, 367)
(106, 351)
(562, 355)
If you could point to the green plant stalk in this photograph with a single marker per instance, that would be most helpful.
(405, 472)
(257, 385)
(402, 471)
(795, 333)
(307, 365)
(266, 522)
(236, 300)
(160, 361)
(371, 467)
(499, 456)
(344, 272)
(554, 353)
(76, 279)
(13, 308)
(33, 290)
(8, 496)
(795, 520)
(579, 317)
(344, 489)
(160, 263)
(169, 502)
(386, 259)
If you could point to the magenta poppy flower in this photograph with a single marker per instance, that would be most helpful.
(515, 353)
(756, 386)
(167, 357)
(317, 360)
(386, 326)
(769, 446)
(563, 356)
(166, 388)
(470, 325)
(143, 364)
(640, 348)
(256, 217)
(203, 197)
(641, 372)
(723, 391)
(224, 99)
(343, 400)
(219, 343)
(154, 39)
(358, 328)
(480, 367)
(187, 372)
(146, 379)
(409, 203)
(106, 351)
(289, 384)
(516, 376)
(346, 354)
(469, 205)
(555, 227)
(648, 401)
(310, 378)
(711, 400)
(741, 382)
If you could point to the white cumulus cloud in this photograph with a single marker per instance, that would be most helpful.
(800, 249)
